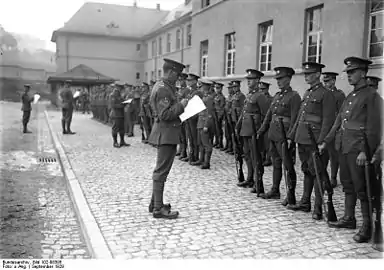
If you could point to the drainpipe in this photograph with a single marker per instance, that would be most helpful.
(182, 45)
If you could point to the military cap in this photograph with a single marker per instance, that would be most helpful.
(27, 85)
(205, 81)
(283, 72)
(229, 85)
(219, 84)
(264, 84)
(253, 74)
(183, 76)
(174, 65)
(192, 76)
(327, 76)
(236, 83)
(373, 80)
(356, 63)
(312, 67)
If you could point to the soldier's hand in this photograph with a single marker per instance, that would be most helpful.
(322, 147)
(289, 142)
(205, 129)
(184, 102)
(373, 160)
(361, 159)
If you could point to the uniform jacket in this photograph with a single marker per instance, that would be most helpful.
(255, 108)
(219, 103)
(183, 93)
(318, 109)
(115, 103)
(238, 99)
(206, 117)
(286, 104)
(26, 101)
(67, 100)
(228, 106)
(145, 107)
(361, 108)
(167, 125)
(339, 98)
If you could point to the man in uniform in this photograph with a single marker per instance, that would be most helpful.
(130, 112)
(182, 94)
(117, 115)
(191, 123)
(264, 88)
(317, 110)
(67, 102)
(165, 133)
(205, 127)
(145, 111)
(219, 104)
(26, 100)
(361, 112)
(227, 121)
(373, 82)
(85, 101)
(329, 80)
(254, 110)
(238, 99)
(285, 105)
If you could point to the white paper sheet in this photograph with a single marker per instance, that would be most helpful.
(194, 106)
(127, 101)
(77, 93)
(36, 98)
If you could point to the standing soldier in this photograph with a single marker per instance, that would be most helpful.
(191, 123)
(145, 111)
(165, 134)
(85, 101)
(219, 102)
(264, 88)
(183, 93)
(317, 109)
(117, 115)
(373, 82)
(254, 110)
(26, 100)
(68, 103)
(285, 105)
(361, 111)
(205, 127)
(329, 80)
(238, 99)
(227, 121)
(130, 112)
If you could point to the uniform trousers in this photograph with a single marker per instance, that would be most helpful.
(117, 125)
(26, 117)
(165, 156)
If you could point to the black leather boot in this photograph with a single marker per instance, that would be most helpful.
(201, 158)
(207, 161)
(317, 212)
(346, 222)
(63, 126)
(115, 143)
(160, 210)
(122, 142)
(69, 131)
(304, 205)
(364, 234)
(274, 193)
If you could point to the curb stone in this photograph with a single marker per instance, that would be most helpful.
(94, 239)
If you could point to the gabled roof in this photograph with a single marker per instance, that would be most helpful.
(112, 20)
(81, 74)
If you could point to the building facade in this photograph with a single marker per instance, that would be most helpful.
(220, 39)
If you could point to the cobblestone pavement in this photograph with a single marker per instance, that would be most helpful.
(36, 219)
(217, 218)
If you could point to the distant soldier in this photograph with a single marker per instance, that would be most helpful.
(219, 104)
(317, 109)
(254, 110)
(285, 106)
(136, 104)
(85, 101)
(68, 103)
(145, 111)
(329, 80)
(182, 94)
(373, 82)
(228, 120)
(238, 99)
(264, 88)
(26, 100)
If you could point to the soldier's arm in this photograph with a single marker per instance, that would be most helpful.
(374, 121)
(295, 107)
(332, 133)
(341, 100)
(166, 111)
(115, 103)
(210, 108)
(267, 120)
(263, 103)
(328, 114)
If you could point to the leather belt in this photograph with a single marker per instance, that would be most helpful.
(310, 118)
(275, 118)
(352, 125)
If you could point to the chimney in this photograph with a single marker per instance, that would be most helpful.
(158, 6)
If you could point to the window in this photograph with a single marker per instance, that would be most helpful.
(204, 58)
(189, 35)
(160, 46)
(153, 48)
(186, 70)
(159, 73)
(230, 53)
(138, 47)
(376, 35)
(314, 34)
(204, 3)
(137, 75)
(178, 39)
(168, 42)
(265, 49)
(146, 76)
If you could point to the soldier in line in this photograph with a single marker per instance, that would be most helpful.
(145, 111)
(373, 82)
(264, 88)
(285, 105)
(131, 110)
(227, 121)
(329, 80)
(67, 104)
(205, 126)
(26, 100)
(361, 108)
(219, 104)
(237, 105)
(165, 134)
(318, 109)
(182, 94)
(254, 110)
(191, 123)
(85, 101)
(117, 115)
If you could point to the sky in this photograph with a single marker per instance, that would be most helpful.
(40, 18)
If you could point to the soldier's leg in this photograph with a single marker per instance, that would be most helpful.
(115, 131)
(145, 123)
(305, 201)
(189, 141)
(226, 134)
(26, 117)
(196, 143)
(334, 162)
(208, 147)
(130, 123)
(183, 142)
(120, 126)
(258, 186)
(201, 149)
(165, 157)
(247, 148)
(318, 211)
(277, 171)
(64, 113)
(68, 121)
